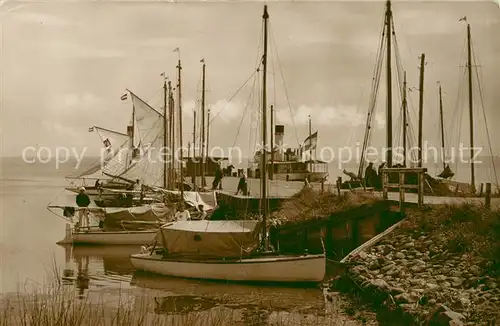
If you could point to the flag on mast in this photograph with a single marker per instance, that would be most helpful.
(464, 18)
(176, 49)
(202, 60)
(91, 129)
(124, 97)
(310, 142)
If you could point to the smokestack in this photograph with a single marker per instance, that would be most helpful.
(279, 132)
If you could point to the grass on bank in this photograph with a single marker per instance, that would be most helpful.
(310, 204)
(466, 228)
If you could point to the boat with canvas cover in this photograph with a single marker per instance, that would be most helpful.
(224, 250)
(120, 225)
(229, 250)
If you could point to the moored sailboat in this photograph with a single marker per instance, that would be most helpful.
(229, 250)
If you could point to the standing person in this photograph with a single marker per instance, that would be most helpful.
(242, 184)
(370, 176)
(218, 178)
(83, 201)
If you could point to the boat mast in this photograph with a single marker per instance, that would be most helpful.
(388, 21)
(179, 68)
(310, 145)
(171, 171)
(271, 172)
(405, 119)
(264, 208)
(469, 68)
(421, 109)
(194, 149)
(208, 133)
(442, 126)
(164, 131)
(203, 181)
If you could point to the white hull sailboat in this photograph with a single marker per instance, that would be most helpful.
(307, 268)
(97, 236)
(228, 250)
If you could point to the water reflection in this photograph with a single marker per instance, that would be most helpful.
(97, 266)
(245, 304)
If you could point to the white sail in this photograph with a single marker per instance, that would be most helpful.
(148, 139)
(115, 154)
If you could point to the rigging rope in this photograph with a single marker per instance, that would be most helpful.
(234, 95)
(284, 86)
(477, 64)
(373, 95)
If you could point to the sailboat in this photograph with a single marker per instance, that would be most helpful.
(229, 250)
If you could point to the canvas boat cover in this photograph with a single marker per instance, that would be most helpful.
(115, 217)
(210, 238)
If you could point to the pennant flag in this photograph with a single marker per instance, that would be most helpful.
(202, 60)
(91, 129)
(310, 142)
(464, 18)
(107, 143)
(124, 97)
(176, 49)
(162, 74)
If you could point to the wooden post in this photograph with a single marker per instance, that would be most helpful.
(421, 181)
(481, 190)
(401, 193)
(385, 181)
(322, 185)
(487, 199)
(339, 183)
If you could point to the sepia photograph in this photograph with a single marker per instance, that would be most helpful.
(191, 162)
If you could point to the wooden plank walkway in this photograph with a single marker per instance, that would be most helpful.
(285, 189)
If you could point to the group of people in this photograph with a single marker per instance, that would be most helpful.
(373, 178)
(183, 214)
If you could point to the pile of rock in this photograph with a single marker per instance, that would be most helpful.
(416, 273)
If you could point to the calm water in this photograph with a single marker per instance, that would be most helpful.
(28, 253)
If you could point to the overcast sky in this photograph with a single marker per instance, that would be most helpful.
(64, 66)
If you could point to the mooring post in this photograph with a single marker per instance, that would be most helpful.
(385, 181)
(481, 190)
(487, 199)
(401, 192)
(322, 185)
(339, 183)
(421, 181)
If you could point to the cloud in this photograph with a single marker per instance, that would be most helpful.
(227, 111)
(35, 17)
(340, 116)
(64, 49)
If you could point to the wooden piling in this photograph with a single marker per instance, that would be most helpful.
(339, 183)
(481, 190)
(487, 199)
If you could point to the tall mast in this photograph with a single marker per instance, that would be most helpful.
(271, 172)
(265, 16)
(421, 110)
(442, 126)
(194, 149)
(310, 144)
(471, 109)
(179, 99)
(388, 21)
(203, 181)
(171, 131)
(405, 119)
(164, 132)
(208, 133)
